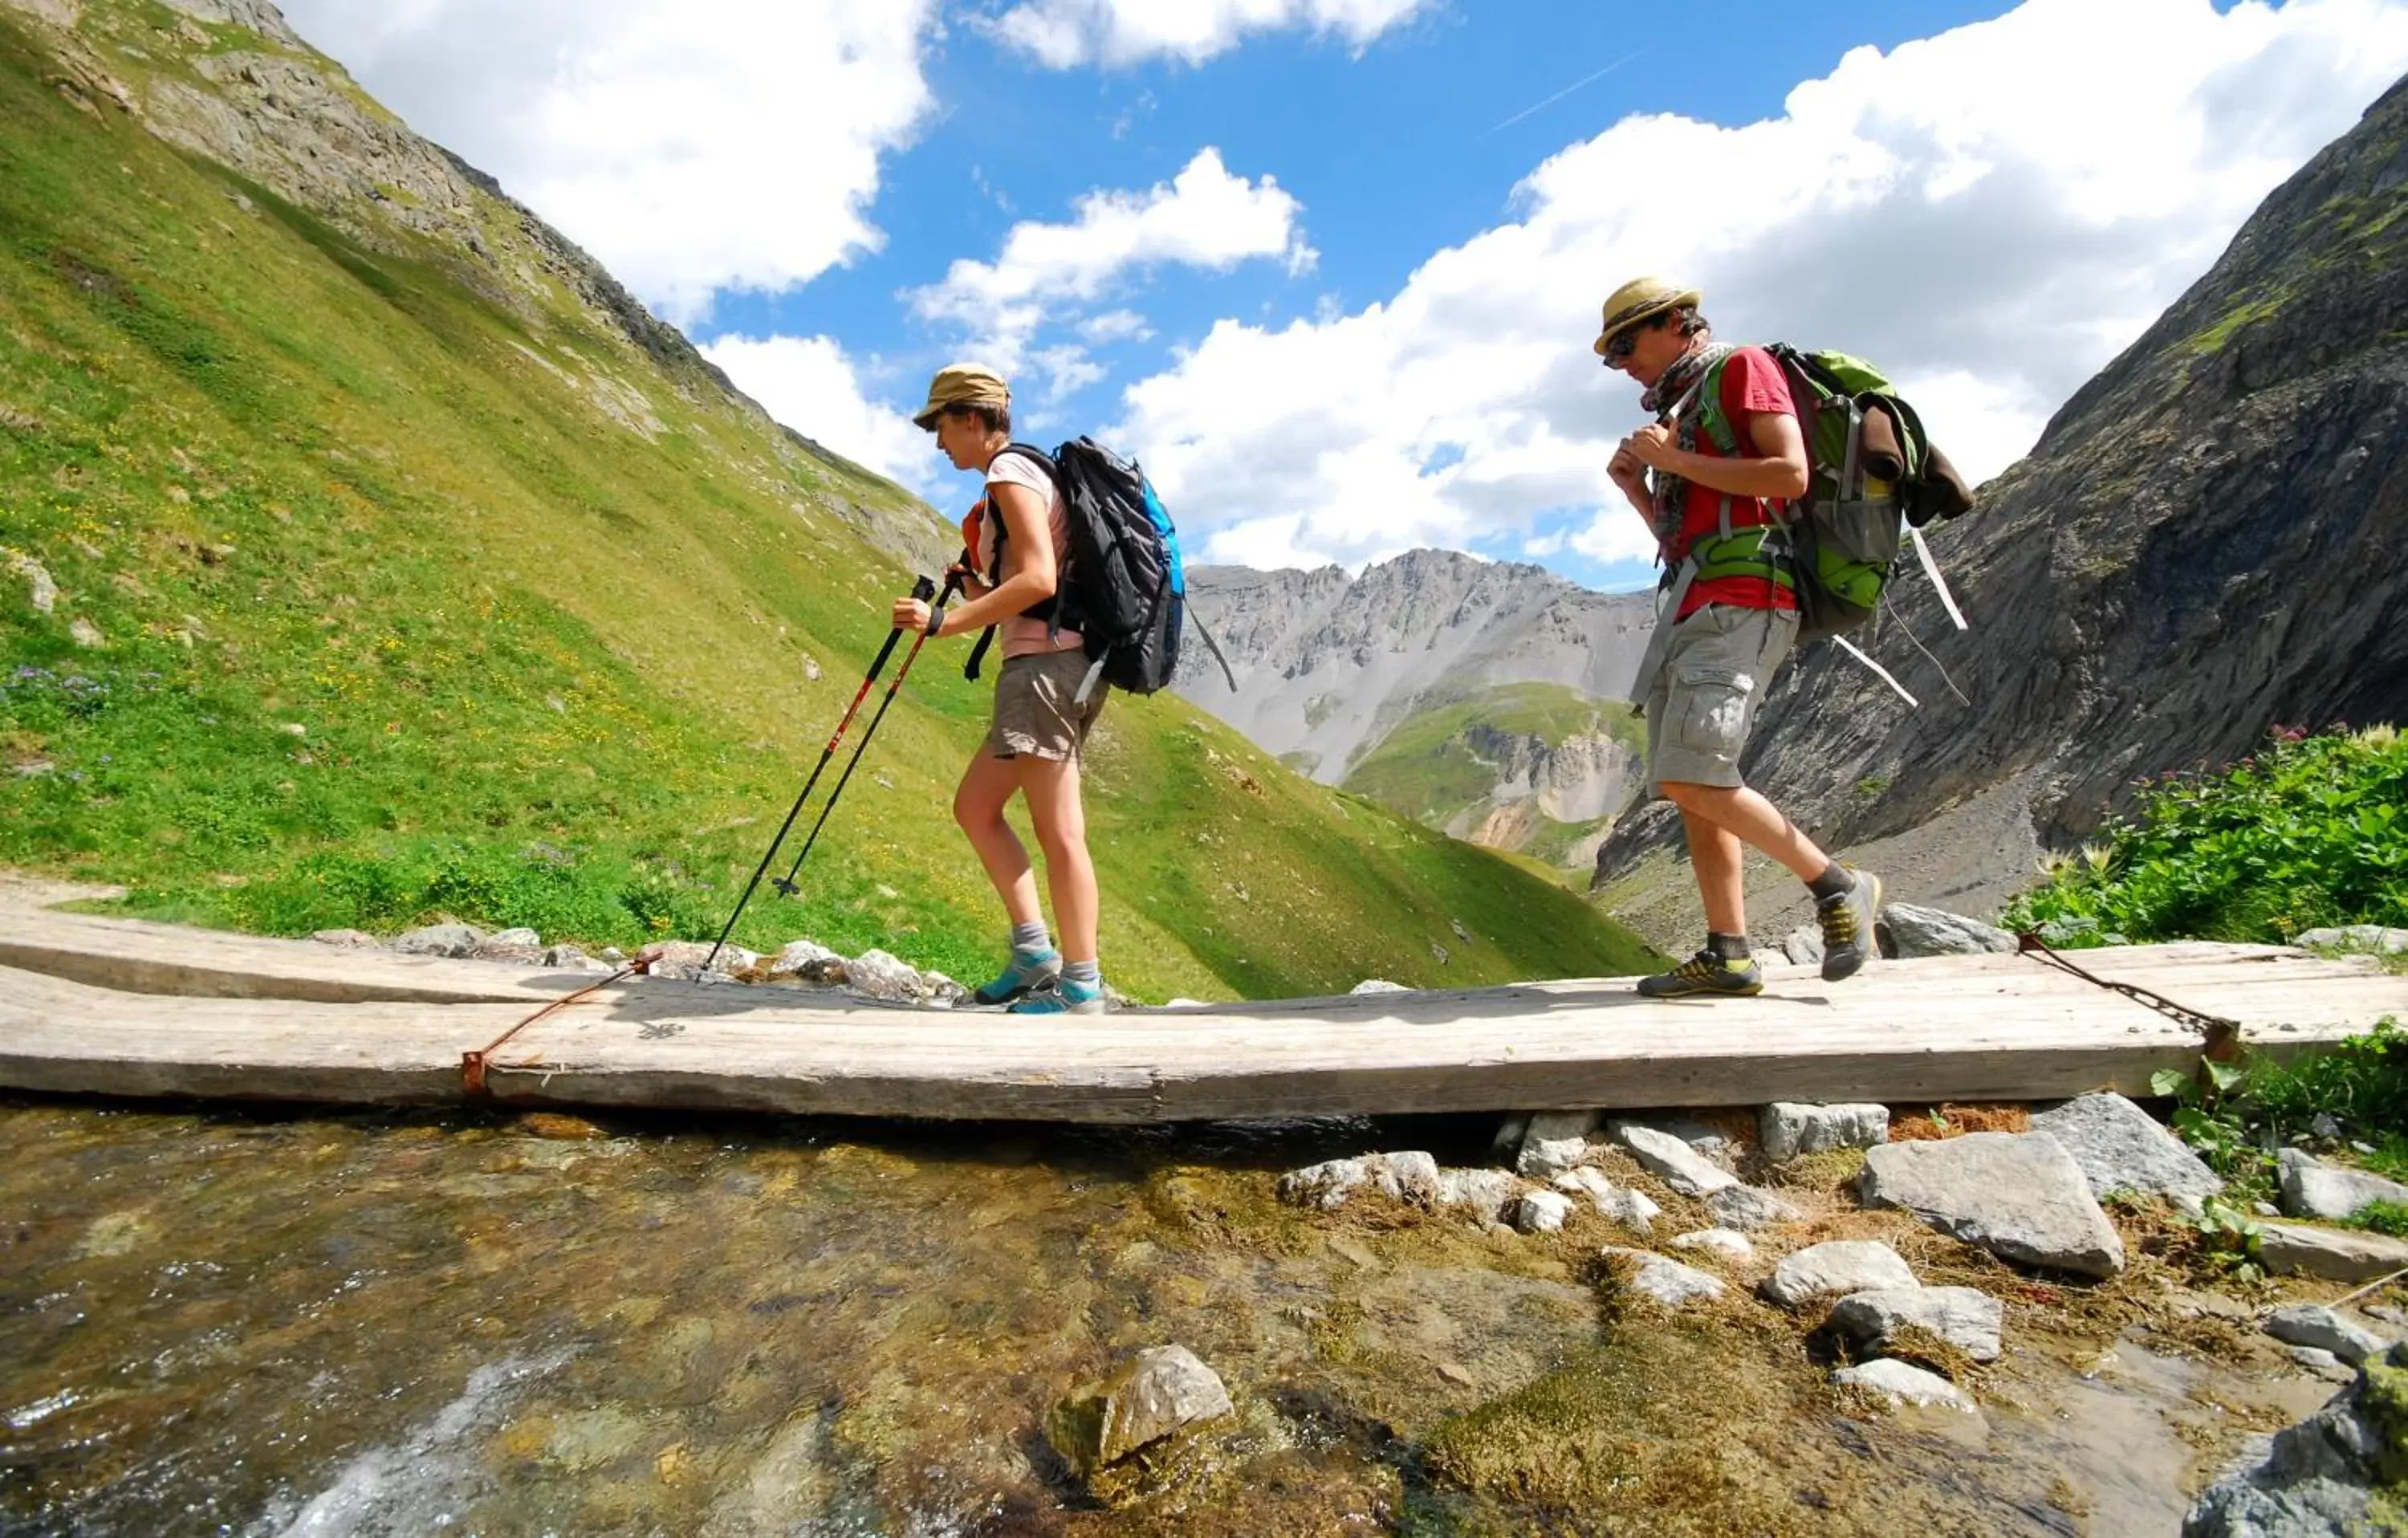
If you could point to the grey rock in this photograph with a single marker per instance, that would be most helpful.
(570, 958)
(876, 975)
(2312, 1188)
(350, 939)
(2265, 1209)
(1897, 1380)
(41, 592)
(2396, 1318)
(2316, 1479)
(440, 939)
(1786, 1128)
(1408, 1177)
(1667, 1281)
(945, 993)
(1803, 945)
(2313, 1324)
(519, 937)
(1965, 1317)
(1486, 1192)
(1378, 985)
(520, 945)
(1554, 1142)
(2357, 936)
(1836, 1267)
(1912, 932)
(795, 954)
(683, 961)
(1634, 1210)
(2337, 1255)
(2316, 1359)
(1672, 1160)
(1541, 1211)
(1160, 1391)
(1728, 1242)
(2020, 1195)
(1749, 1208)
(2121, 1146)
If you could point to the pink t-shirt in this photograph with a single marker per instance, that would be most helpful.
(1022, 636)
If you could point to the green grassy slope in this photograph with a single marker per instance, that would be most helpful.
(1425, 767)
(414, 600)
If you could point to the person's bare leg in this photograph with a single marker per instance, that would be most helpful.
(1752, 819)
(1052, 787)
(1714, 857)
(987, 786)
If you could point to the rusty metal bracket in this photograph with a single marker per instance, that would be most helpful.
(474, 1063)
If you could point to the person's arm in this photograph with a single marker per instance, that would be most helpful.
(1629, 473)
(1026, 531)
(1778, 470)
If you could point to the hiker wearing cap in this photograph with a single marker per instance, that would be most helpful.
(1729, 617)
(1039, 726)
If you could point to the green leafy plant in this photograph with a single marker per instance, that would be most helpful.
(2228, 1236)
(2311, 830)
(2389, 1217)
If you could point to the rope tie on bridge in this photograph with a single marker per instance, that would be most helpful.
(2223, 1036)
(473, 1064)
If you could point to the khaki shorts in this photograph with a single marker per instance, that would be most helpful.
(1033, 713)
(1704, 701)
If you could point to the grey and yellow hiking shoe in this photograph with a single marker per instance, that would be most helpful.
(1847, 923)
(1028, 971)
(1707, 974)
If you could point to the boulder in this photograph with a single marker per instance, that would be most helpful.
(2018, 1194)
(1410, 1177)
(2319, 1476)
(1749, 1208)
(875, 974)
(2357, 936)
(1486, 1192)
(1378, 985)
(795, 954)
(440, 939)
(2337, 1255)
(1835, 1269)
(1787, 1129)
(40, 590)
(2312, 1188)
(1895, 1381)
(1730, 1244)
(1541, 1211)
(1907, 931)
(1554, 1142)
(681, 961)
(2328, 1329)
(1672, 1160)
(1967, 1318)
(1155, 1393)
(1803, 945)
(350, 939)
(521, 937)
(2120, 1146)
(1666, 1281)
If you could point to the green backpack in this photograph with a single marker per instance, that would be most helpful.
(1872, 474)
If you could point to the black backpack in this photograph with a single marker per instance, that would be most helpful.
(1123, 590)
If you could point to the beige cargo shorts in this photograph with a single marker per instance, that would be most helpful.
(1704, 700)
(1033, 709)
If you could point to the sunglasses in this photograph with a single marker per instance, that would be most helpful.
(1625, 341)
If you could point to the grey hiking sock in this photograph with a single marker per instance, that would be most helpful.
(1729, 947)
(1836, 878)
(1031, 937)
(1089, 972)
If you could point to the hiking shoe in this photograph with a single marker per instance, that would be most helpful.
(1029, 971)
(1064, 996)
(1706, 973)
(1847, 923)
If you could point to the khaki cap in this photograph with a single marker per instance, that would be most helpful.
(1636, 301)
(962, 385)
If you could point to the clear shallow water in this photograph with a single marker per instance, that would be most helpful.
(265, 1323)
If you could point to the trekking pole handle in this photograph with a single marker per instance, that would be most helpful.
(936, 611)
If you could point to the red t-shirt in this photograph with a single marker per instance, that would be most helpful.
(1751, 384)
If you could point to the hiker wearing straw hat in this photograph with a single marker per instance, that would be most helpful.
(1729, 617)
(1018, 534)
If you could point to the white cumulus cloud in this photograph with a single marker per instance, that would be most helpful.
(691, 146)
(1064, 34)
(1990, 214)
(811, 385)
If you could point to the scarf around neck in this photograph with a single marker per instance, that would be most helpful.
(1670, 398)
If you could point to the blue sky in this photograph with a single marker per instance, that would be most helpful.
(1331, 267)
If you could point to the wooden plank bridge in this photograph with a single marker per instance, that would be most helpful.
(105, 1006)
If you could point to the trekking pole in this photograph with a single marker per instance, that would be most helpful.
(921, 589)
(952, 585)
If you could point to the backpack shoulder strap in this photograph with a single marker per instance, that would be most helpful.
(994, 574)
(1712, 418)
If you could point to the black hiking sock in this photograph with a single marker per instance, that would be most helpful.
(1031, 938)
(1729, 947)
(1835, 881)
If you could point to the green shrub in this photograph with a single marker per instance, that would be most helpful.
(2309, 831)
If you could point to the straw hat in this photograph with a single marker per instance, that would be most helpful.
(1638, 300)
(962, 385)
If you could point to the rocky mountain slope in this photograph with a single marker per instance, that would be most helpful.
(1484, 697)
(366, 556)
(2206, 541)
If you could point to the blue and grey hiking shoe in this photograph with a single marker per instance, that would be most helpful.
(1064, 996)
(1706, 975)
(1847, 923)
(1028, 971)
